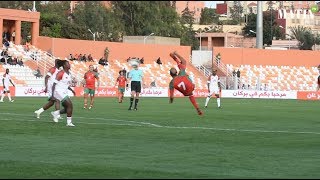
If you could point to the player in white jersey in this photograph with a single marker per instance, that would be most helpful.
(5, 81)
(214, 87)
(60, 89)
(48, 81)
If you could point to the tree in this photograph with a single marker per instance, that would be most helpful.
(188, 35)
(53, 18)
(21, 5)
(251, 25)
(306, 39)
(94, 16)
(269, 30)
(236, 11)
(209, 16)
(141, 18)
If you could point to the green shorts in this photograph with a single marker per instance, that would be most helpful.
(89, 91)
(121, 89)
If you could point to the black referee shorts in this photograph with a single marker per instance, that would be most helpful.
(136, 86)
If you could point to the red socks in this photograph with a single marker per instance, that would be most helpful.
(193, 101)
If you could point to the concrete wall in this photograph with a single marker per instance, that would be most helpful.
(201, 57)
(151, 40)
(9, 16)
(251, 56)
(120, 51)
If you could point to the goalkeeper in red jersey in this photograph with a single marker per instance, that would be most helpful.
(181, 81)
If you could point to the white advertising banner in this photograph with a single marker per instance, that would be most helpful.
(259, 94)
(33, 91)
(150, 92)
(163, 92)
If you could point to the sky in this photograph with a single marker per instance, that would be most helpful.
(212, 3)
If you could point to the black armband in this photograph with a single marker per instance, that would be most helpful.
(127, 85)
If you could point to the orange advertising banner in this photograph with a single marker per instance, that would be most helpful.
(308, 95)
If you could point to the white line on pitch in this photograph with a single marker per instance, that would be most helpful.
(137, 123)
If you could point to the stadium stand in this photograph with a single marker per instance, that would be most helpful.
(275, 77)
(34, 58)
(278, 77)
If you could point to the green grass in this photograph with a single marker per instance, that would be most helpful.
(246, 139)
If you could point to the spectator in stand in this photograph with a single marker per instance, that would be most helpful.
(90, 59)
(20, 62)
(238, 73)
(13, 36)
(159, 61)
(84, 58)
(153, 83)
(14, 61)
(103, 62)
(9, 60)
(5, 56)
(27, 47)
(234, 73)
(79, 57)
(142, 61)
(5, 36)
(124, 72)
(265, 87)
(6, 43)
(38, 73)
(238, 78)
(70, 57)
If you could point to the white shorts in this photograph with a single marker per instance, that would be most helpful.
(49, 90)
(214, 91)
(60, 95)
(6, 89)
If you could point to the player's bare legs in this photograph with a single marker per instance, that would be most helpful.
(120, 97)
(45, 107)
(56, 113)
(218, 100)
(131, 99)
(69, 109)
(91, 101)
(8, 94)
(85, 96)
(136, 101)
(194, 103)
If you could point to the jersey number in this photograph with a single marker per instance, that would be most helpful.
(182, 85)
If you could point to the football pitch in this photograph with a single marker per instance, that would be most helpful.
(247, 138)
